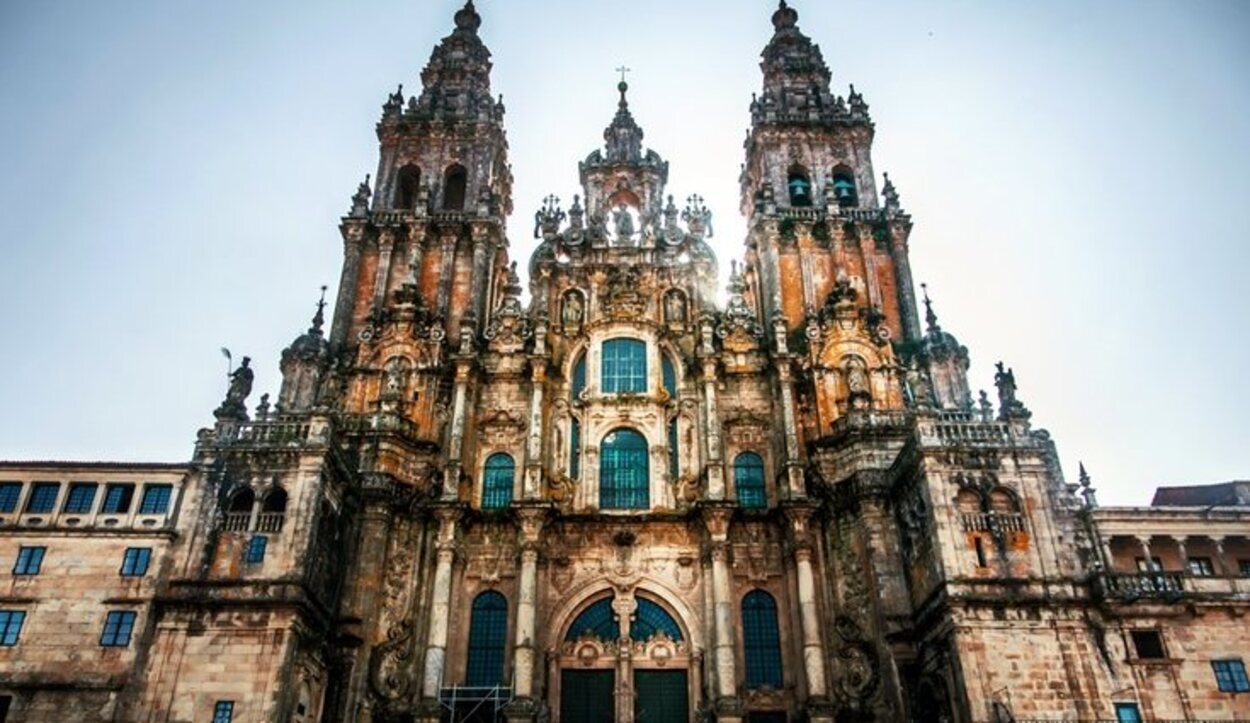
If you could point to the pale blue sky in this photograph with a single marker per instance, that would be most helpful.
(172, 174)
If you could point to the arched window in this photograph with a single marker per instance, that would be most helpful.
(624, 366)
(674, 459)
(598, 620)
(761, 640)
(455, 181)
(407, 181)
(488, 632)
(651, 619)
(1002, 501)
(497, 482)
(968, 502)
(575, 449)
(669, 375)
(624, 471)
(749, 480)
(272, 511)
(239, 511)
(844, 189)
(579, 376)
(800, 187)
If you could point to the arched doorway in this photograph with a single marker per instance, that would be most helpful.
(624, 658)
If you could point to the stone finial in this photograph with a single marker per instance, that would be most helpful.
(930, 318)
(319, 319)
(984, 408)
(1087, 491)
(890, 194)
(785, 17)
(360, 200)
(262, 409)
(466, 18)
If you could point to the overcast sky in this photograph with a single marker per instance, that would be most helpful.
(172, 174)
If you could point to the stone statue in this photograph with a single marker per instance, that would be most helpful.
(235, 405)
(572, 315)
(394, 381)
(856, 378)
(675, 308)
(624, 223)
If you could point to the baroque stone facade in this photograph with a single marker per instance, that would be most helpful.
(619, 499)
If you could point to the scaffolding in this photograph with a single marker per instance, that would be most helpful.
(474, 704)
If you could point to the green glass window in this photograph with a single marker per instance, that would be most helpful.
(579, 376)
(81, 497)
(674, 461)
(624, 471)
(10, 492)
(1230, 675)
(651, 619)
(749, 480)
(156, 499)
(488, 632)
(43, 497)
(761, 640)
(597, 620)
(669, 374)
(575, 449)
(497, 482)
(624, 366)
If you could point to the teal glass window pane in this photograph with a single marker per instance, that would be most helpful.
(624, 471)
(10, 492)
(117, 498)
(488, 634)
(11, 626)
(43, 497)
(223, 711)
(674, 460)
(497, 482)
(118, 627)
(81, 497)
(579, 376)
(575, 449)
(624, 366)
(749, 480)
(1230, 676)
(1127, 713)
(761, 640)
(256, 547)
(597, 620)
(651, 619)
(156, 499)
(136, 560)
(670, 376)
(29, 560)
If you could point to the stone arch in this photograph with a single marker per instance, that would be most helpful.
(591, 591)
(407, 183)
(455, 187)
(799, 186)
(845, 187)
(1002, 501)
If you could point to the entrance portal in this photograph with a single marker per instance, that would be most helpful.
(586, 696)
(660, 696)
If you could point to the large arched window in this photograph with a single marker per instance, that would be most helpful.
(272, 511)
(844, 188)
(488, 633)
(455, 181)
(598, 621)
(651, 619)
(749, 480)
(800, 187)
(761, 641)
(578, 384)
(624, 366)
(669, 375)
(497, 482)
(624, 471)
(407, 181)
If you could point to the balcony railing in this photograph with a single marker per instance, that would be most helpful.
(1172, 586)
(992, 521)
(270, 521)
(236, 521)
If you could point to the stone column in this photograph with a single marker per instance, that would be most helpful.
(795, 487)
(1218, 563)
(386, 247)
(715, 467)
(479, 280)
(625, 605)
(531, 482)
(524, 656)
(455, 442)
(440, 602)
(908, 312)
(353, 239)
(725, 677)
(1184, 553)
(809, 615)
(1145, 551)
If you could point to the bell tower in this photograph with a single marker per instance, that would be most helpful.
(809, 192)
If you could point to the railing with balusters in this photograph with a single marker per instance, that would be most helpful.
(992, 521)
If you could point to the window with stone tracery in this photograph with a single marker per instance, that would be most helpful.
(624, 366)
(488, 633)
(749, 480)
(761, 640)
(624, 471)
(497, 480)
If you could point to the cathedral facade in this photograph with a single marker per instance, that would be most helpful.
(619, 499)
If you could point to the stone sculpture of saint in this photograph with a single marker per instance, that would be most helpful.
(676, 310)
(240, 384)
(856, 379)
(573, 311)
(624, 223)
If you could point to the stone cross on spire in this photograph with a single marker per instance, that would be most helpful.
(623, 70)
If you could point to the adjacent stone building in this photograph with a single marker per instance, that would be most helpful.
(618, 499)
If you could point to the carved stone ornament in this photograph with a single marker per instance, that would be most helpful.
(624, 298)
(739, 330)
